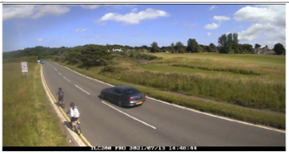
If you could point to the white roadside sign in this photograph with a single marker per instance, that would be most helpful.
(24, 66)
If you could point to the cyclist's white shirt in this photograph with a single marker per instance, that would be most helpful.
(74, 112)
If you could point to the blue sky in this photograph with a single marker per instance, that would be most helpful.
(136, 25)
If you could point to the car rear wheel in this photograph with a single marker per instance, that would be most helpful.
(119, 103)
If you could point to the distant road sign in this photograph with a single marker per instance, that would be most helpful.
(24, 66)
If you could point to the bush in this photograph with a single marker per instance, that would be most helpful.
(112, 69)
(138, 55)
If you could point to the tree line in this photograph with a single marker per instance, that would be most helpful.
(91, 54)
(227, 43)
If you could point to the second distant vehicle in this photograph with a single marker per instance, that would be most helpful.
(123, 96)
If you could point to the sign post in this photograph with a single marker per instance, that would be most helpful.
(24, 68)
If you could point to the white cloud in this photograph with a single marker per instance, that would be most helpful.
(32, 11)
(213, 7)
(80, 30)
(89, 6)
(251, 33)
(209, 34)
(97, 36)
(268, 23)
(134, 18)
(212, 26)
(261, 13)
(274, 14)
(39, 39)
(221, 18)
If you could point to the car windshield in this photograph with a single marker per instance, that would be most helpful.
(131, 92)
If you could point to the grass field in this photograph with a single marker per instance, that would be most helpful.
(28, 119)
(235, 79)
(252, 90)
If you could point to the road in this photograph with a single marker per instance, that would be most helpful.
(153, 123)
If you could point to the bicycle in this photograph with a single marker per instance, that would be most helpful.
(61, 103)
(77, 128)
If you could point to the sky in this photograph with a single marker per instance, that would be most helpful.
(136, 25)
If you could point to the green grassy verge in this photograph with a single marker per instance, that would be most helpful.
(258, 117)
(28, 119)
(250, 93)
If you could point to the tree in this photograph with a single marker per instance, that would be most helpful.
(192, 45)
(246, 48)
(173, 48)
(230, 38)
(229, 43)
(72, 57)
(200, 48)
(212, 47)
(222, 41)
(235, 38)
(155, 47)
(279, 49)
(180, 47)
(257, 46)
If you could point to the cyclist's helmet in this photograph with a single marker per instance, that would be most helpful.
(60, 88)
(72, 104)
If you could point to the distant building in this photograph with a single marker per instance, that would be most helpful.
(264, 51)
(117, 50)
(272, 52)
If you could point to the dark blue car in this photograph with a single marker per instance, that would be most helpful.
(123, 96)
(42, 61)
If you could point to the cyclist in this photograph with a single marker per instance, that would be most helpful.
(60, 94)
(74, 114)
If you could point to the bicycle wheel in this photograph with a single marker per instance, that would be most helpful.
(62, 105)
(77, 129)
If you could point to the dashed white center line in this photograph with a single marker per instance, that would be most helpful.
(59, 73)
(66, 79)
(55, 69)
(134, 118)
(82, 89)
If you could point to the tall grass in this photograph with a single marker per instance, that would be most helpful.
(233, 70)
(28, 119)
(248, 93)
(246, 114)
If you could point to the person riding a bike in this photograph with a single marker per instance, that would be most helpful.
(74, 114)
(60, 94)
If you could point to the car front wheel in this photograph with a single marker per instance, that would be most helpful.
(102, 95)
(119, 103)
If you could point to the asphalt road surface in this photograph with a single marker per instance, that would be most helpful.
(151, 124)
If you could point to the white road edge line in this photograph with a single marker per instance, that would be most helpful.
(52, 101)
(216, 116)
(66, 79)
(134, 118)
(185, 108)
(82, 90)
(52, 66)
(86, 76)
